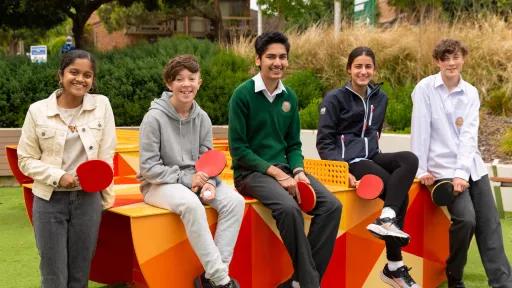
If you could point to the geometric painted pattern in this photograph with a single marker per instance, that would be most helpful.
(148, 247)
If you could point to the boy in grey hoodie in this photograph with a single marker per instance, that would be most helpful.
(173, 134)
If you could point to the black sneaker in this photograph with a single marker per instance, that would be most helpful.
(231, 284)
(202, 282)
(399, 278)
(385, 228)
(455, 283)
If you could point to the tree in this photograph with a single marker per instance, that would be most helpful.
(304, 13)
(49, 13)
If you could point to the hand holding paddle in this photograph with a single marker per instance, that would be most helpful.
(67, 181)
(442, 193)
(210, 164)
(94, 175)
(370, 187)
(198, 180)
(306, 196)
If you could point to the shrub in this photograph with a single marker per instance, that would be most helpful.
(506, 143)
(309, 115)
(130, 77)
(398, 114)
(306, 85)
(499, 102)
(221, 75)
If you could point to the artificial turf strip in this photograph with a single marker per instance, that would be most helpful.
(19, 259)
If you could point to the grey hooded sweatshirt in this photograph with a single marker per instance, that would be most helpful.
(170, 146)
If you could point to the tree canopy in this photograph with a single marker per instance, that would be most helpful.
(45, 14)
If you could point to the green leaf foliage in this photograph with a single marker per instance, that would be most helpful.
(309, 115)
(306, 85)
(131, 78)
(398, 114)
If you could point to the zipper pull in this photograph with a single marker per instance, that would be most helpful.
(343, 146)
(372, 108)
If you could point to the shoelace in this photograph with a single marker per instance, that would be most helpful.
(404, 274)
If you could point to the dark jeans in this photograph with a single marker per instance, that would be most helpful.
(66, 229)
(474, 212)
(310, 255)
(397, 171)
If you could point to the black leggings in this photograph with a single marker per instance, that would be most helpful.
(397, 171)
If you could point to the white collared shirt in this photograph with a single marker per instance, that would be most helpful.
(444, 129)
(259, 85)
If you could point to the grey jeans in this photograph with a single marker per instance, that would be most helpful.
(310, 254)
(66, 229)
(474, 212)
(214, 253)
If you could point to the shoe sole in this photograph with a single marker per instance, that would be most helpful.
(388, 280)
(376, 229)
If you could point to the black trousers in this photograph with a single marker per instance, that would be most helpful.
(474, 212)
(397, 171)
(310, 254)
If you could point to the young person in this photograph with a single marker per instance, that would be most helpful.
(445, 138)
(351, 120)
(60, 132)
(264, 140)
(173, 134)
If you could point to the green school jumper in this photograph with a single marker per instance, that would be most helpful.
(262, 133)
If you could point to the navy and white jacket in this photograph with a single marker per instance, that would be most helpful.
(349, 127)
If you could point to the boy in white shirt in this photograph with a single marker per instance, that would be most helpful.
(444, 136)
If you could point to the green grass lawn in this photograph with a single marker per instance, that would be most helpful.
(19, 259)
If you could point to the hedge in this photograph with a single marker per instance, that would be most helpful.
(131, 78)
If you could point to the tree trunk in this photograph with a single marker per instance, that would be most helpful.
(219, 27)
(78, 31)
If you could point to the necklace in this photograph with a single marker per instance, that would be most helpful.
(68, 116)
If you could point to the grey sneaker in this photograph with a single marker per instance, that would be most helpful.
(399, 278)
(384, 228)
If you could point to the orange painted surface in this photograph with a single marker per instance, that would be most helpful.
(148, 247)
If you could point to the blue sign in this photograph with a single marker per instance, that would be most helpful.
(38, 54)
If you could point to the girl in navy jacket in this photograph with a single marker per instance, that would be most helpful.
(351, 120)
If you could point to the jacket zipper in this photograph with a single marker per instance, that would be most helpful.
(343, 146)
(372, 108)
(365, 105)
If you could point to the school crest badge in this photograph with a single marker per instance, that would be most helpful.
(459, 122)
(286, 106)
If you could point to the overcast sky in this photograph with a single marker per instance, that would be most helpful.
(253, 5)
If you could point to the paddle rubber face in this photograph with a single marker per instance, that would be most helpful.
(94, 175)
(211, 162)
(307, 196)
(442, 192)
(370, 187)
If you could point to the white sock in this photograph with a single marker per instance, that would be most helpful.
(295, 284)
(388, 212)
(394, 265)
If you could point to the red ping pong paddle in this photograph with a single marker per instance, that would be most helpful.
(211, 162)
(94, 175)
(370, 187)
(306, 196)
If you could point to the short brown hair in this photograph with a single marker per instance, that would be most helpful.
(178, 64)
(447, 47)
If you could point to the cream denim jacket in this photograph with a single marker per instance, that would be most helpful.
(43, 136)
